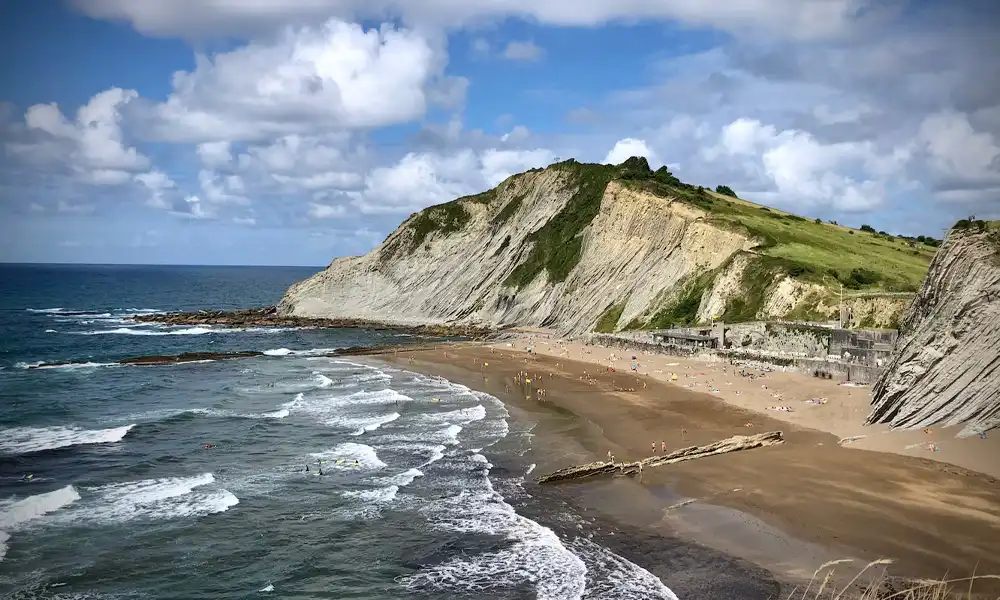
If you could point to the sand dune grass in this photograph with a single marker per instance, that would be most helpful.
(874, 583)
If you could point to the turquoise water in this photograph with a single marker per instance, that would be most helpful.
(126, 500)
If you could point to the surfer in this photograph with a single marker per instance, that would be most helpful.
(208, 446)
(27, 477)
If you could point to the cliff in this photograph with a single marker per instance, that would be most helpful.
(578, 246)
(945, 368)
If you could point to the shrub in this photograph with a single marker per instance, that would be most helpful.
(725, 190)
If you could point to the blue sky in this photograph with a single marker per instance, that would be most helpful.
(290, 132)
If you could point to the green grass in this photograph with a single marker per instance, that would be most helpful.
(683, 308)
(443, 218)
(557, 245)
(827, 253)
(609, 319)
(509, 210)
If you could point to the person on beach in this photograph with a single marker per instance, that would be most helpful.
(663, 445)
(653, 448)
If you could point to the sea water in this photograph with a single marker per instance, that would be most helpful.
(288, 475)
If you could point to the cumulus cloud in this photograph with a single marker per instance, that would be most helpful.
(91, 146)
(334, 76)
(790, 18)
(215, 154)
(158, 185)
(801, 172)
(419, 180)
(959, 154)
(629, 147)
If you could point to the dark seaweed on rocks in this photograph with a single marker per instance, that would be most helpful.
(269, 317)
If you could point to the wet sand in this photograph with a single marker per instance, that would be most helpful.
(787, 508)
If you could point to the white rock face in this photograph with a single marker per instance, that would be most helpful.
(634, 251)
(637, 254)
(946, 365)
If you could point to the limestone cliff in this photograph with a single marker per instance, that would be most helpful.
(573, 247)
(945, 368)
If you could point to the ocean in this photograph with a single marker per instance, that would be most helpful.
(288, 475)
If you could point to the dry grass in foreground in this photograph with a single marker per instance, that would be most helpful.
(883, 587)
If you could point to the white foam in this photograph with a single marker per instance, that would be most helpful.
(287, 352)
(267, 588)
(377, 496)
(34, 439)
(28, 365)
(531, 468)
(130, 331)
(612, 577)
(16, 513)
(151, 499)
(322, 380)
(365, 424)
(403, 479)
(159, 330)
(535, 554)
(47, 310)
(330, 410)
(40, 365)
(460, 416)
(344, 455)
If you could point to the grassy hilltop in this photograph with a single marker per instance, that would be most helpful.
(863, 261)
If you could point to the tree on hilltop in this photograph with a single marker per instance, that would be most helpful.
(725, 190)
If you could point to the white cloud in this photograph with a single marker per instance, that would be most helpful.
(786, 18)
(629, 147)
(158, 185)
(222, 190)
(516, 135)
(244, 221)
(335, 76)
(194, 209)
(326, 211)
(800, 171)
(419, 180)
(92, 145)
(215, 154)
(524, 51)
(957, 152)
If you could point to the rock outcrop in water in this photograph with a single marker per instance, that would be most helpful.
(945, 368)
(269, 317)
(576, 247)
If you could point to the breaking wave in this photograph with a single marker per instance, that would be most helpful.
(21, 440)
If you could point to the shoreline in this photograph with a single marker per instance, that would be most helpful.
(788, 508)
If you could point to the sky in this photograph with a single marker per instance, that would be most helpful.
(290, 132)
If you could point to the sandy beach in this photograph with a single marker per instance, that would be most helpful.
(788, 508)
(825, 405)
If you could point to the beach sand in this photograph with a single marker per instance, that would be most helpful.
(839, 410)
(787, 508)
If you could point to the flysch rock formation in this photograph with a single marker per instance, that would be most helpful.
(633, 254)
(945, 368)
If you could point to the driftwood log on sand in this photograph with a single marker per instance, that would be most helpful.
(733, 444)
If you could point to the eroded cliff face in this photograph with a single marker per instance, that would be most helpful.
(635, 248)
(571, 247)
(946, 364)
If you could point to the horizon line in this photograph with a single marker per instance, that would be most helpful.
(4, 263)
